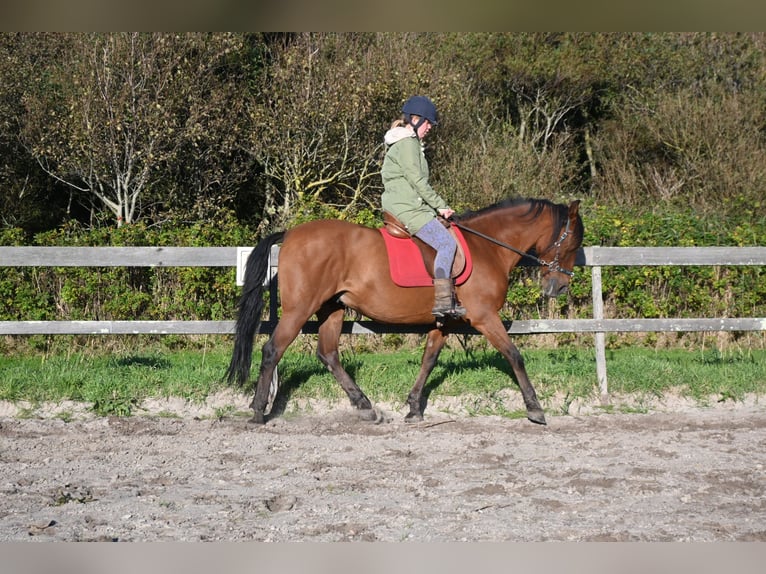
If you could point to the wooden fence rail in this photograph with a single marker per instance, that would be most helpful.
(594, 257)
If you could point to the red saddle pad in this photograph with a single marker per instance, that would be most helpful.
(406, 265)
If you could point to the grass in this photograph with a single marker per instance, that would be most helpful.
(116, 384)
(695, 374)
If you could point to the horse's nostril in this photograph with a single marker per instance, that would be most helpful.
(555, 289)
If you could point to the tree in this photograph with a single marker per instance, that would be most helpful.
(117, 113)
(313, 138)
(27, 194)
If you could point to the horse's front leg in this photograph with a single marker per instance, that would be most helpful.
(434, 344)
(494, 330)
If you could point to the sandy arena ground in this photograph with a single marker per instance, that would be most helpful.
(678, 472)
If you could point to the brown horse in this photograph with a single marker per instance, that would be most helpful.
(327, 266)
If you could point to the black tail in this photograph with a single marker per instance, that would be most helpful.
(249, 309)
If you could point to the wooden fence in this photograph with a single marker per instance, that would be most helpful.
(594, 257)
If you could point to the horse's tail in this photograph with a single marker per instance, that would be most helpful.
(249, 309)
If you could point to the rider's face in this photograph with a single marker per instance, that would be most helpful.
(424, 128)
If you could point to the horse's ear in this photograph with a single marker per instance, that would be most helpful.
(574, 208)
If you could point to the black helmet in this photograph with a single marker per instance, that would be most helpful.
(420, 106)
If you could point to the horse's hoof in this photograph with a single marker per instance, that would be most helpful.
(363, 404)
(370, 414)
(537, 416)
(413, 418)
(374, 415)
(258, 419)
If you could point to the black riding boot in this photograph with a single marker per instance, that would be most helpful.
(444, 300)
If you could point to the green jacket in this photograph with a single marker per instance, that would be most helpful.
(407, 193)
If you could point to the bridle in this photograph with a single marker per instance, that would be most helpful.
(552, 265)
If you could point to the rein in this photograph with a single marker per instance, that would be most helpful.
(552, 265)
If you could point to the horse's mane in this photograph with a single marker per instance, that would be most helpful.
(559, 212)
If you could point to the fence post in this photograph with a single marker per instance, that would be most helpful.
(598, 313)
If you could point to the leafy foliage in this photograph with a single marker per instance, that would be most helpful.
(210, 139)
(279, 126)
(198, 293)
(123, 119)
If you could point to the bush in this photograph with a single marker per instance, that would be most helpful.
(197, 293)
(125, 293)
(656, 291)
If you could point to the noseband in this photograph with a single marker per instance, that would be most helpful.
(552, 265)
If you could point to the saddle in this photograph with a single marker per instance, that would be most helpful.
(411, 261)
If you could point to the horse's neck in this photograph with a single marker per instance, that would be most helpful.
(515, 230)
(513, 235)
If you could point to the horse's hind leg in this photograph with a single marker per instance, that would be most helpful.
(284, 333)
(434, 344)
(330, 319)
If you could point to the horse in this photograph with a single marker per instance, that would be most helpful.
(327, 266)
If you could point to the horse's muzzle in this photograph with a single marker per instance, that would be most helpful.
(552, 287)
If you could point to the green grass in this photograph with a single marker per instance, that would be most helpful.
(728, 375)
(116, 384)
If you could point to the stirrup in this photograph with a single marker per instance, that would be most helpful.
(456, 312)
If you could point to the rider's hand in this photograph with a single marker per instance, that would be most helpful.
(446, 213)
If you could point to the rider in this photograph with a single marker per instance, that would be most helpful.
(410, 198)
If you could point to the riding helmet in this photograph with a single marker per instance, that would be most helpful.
(420, 106)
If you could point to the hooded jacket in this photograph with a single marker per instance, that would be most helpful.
(407, 193)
